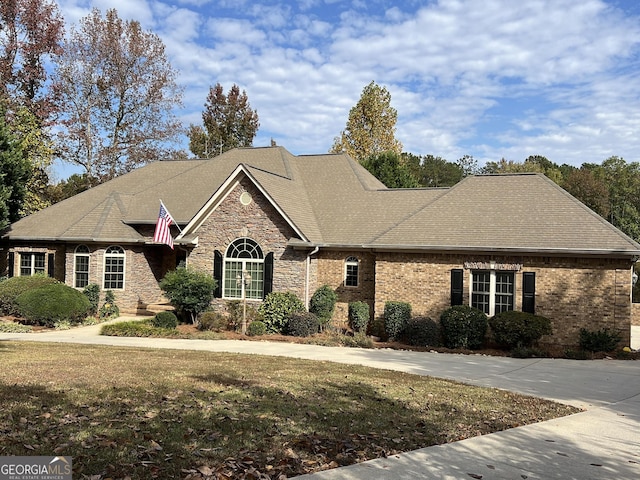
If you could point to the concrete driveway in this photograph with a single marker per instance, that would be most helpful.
(603, 442)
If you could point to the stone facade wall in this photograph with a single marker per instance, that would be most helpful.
(572, 293)
(259, 221)
(331, 272)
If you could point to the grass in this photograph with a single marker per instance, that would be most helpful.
(144, 413)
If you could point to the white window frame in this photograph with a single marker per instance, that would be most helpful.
(492, 293)
(81, 251)
(351, 262)
(32, 263)
(110, 253)
(248, 255)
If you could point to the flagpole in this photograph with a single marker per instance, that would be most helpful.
(174, 220)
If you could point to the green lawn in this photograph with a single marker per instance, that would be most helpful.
(144, 413)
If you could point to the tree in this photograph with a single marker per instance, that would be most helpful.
(590, 190)
(117, 90)
(389, 169)
(371, 126)
(437, 172)
(189, 290)
(73, 185)
(468, 165)
(623, 180)
(31, 32)
(229, 122)
(14, 174)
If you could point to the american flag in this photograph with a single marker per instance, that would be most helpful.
(163, 231)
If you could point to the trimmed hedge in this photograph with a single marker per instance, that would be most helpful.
(463, 326)
(54, 303)
(276, 309)
(359, 316)
(322, 304)
(12, 288)
(396, 318)
(303, 324)
(421, 332)
(514, 329)
(165, 320)
(213, 321)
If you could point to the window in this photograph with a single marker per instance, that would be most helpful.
(114, 268)
(81, 266)
(31, 263)
(492, 291)
(244, 272)
(351, 272)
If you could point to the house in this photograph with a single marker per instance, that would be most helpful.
(294, 223)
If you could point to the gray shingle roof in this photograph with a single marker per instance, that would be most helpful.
(334, 201)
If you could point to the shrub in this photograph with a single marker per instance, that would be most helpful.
(109, 309)
(376, 328)
(256, 328)
(13, 287)
(422, 332)
(358, 316)
(165, 320)
(13, 327)
(213, 321)
(302, 324)
(603, 340)
(513, 329)
(92, 291)
(189, 291)
(463, 326)
(136, 328)
(396, 317)
(322, 305)
(528, 352)
(53, 303)
(276, 309)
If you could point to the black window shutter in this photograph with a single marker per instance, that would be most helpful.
(268, 274)
(457, 285)
(217, 273)
(51, 266)
(529, 292)
(11, 259)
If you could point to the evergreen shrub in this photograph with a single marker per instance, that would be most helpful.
(463, 326)
(422, 332)
(109, 309)
(512, 329)
(322, 305)
(302, 324)
(213, 321)
(165, 320)
(256, 329)
(359, 316)
(276, 309)
(603, 340)
(92, 291)
(396, 318)
(12, 288)
(52, 304)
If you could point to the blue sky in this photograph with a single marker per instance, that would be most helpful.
(489, 78)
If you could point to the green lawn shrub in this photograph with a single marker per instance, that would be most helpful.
(396, 318)
(256, 329)
(13, 327)
(359, 316)
(322, 305)
(137, 328)
(12, 288)
(421, 332)
(92, 291)
(603, 340)
(109, 309)
(165, 320)
(52, 304)
(189, 290)
(276, 309)
(512, 329)
(213, 321)
(463, 326)
(302, 324)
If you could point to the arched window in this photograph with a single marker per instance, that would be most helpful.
(114, 260)
(81, 266)
(351, 272)
(244, 270)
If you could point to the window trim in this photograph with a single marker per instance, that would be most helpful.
(492, 292)
(351, 261)
(77, 253)
(110, 254)
(254, 261)
(32, 263)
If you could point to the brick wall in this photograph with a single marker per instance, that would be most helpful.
(573, 294)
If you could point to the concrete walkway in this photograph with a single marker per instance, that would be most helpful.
(603, 442)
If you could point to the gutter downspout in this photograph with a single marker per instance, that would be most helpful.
(307, 279)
